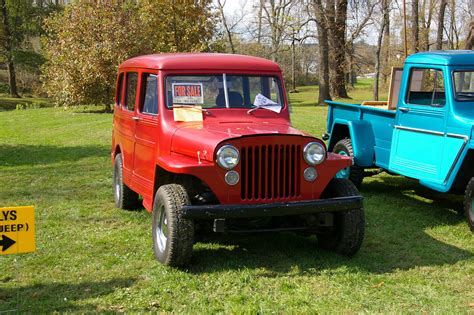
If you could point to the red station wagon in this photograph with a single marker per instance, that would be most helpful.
(205, 140)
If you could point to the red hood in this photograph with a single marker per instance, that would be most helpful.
(194, 138)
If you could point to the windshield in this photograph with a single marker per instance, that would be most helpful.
(209, 91)
(464, 85)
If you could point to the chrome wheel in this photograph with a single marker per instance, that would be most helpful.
(116, 185)
(161, 230)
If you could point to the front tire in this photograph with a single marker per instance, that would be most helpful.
(354, 173)
(469, 203)
(172, 234)
(349, 226)
(124, 197)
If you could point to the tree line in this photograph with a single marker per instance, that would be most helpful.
(70, 50)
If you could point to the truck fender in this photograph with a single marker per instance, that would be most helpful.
(362, 136)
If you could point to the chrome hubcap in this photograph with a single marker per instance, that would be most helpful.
(161, 231)
(345, 172)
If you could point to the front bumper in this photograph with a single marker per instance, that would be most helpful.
(272, 209)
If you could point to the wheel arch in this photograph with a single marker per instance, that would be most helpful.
(362, 136)
(464, 173)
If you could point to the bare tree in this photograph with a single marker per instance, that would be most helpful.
(470, 36)
(323, 49)
(414, 24)
(439, 36)
(361, 17)
(276, 17)
(427, 7)
(336, 14)
(220, 7)
(230, 23)
(385, 8)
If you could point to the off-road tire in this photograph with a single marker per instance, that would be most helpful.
(177, 249)
(124, 197)
(356, 173)
(468, 204)
(349, 226)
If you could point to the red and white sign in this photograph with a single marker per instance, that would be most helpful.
(187, 93)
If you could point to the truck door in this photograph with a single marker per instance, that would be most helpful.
(125, 120)
(421, 148)
(146, 133)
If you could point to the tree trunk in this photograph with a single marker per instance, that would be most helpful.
(293, 64)
(324, 92)
(8, 46)
(470, 35)
(323, 48)
(386, 40)
(414, 25)
(337, 15)
(377, 61)
(224, 22)
(426, 23)
(439, 36)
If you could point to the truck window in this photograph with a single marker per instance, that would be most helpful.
(426, 87)
(118, 91)
(208, 91)
(464, 85)
(131, 91)
(149, 94)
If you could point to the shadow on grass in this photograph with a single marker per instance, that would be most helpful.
(398, 228)
(59, 297)
(15, 155)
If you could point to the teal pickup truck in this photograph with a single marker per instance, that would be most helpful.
(428, 134)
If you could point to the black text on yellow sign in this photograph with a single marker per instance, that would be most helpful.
(17, 230)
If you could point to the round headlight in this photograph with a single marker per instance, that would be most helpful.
(227, 157)
(314, 153)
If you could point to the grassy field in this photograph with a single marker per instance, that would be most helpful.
(418, 254)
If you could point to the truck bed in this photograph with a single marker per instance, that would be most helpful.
(378, 120)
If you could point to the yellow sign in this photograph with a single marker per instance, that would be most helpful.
(17, 230)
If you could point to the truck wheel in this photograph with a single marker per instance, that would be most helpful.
(172, 234)
(469, 203)
(124, 197)
(349, 226)
(354, 173)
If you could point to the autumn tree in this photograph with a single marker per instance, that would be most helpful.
(88, 40)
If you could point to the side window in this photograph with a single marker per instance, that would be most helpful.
(426, 87)
(131, 92)
(118, 91)
(149, 94)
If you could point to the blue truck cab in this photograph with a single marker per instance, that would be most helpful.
(428, 136)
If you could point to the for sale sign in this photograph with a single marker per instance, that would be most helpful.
(187, 93)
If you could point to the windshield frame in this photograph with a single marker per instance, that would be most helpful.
(454, 85)
(224, 75)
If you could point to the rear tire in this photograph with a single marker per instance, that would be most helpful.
(469, 203)
(354, 173)
(124, 197)
(349, 226)
(172, 234)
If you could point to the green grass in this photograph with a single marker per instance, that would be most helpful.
(418, 254)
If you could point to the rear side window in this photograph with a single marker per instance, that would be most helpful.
(426, 87)
(131, 92)
(118, 91)
(149, 94)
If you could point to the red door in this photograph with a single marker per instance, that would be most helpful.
(146, 134)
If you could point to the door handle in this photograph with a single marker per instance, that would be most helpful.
(136, 118)
(404, 109)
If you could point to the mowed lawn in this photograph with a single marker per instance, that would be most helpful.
(418, 254)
